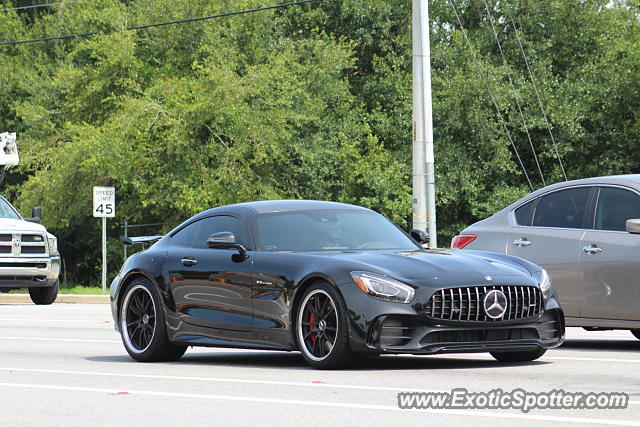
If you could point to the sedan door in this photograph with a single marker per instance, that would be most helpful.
(610, 258)
(549, 231)
(208, 286)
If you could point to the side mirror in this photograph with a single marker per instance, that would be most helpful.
(633, 226)
(227, 240)
(420, 236)
(36, 215)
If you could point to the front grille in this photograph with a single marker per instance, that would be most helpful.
(23, 264)
(23, 245)
(33, 249)
(13, 279)
(479, 335)
(32, 238)
(466, 303)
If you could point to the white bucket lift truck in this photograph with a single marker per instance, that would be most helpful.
(29, 255)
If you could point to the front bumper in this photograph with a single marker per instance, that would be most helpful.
(401, 334)
(29, 272)
(384, 327)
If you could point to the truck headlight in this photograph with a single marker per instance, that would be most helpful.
(384, 288)
(53, 244)
(545, 284)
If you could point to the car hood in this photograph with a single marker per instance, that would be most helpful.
(436, 267)
(11, 225)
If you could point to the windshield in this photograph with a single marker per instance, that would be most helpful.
(329, 230)
(7, 211)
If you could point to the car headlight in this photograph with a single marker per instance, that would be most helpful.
(382, 287)
(53, 244)
(545, 284)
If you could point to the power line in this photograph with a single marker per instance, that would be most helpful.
(535, 88)
(161, 24)
(38, 5)
(513, 89)
(493, 99)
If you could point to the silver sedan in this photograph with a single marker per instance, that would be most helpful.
(586, 234)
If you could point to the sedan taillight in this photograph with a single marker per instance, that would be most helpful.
(462, 240)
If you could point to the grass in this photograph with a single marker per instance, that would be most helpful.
(76, 289)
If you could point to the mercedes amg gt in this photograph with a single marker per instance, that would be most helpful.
(331, 280)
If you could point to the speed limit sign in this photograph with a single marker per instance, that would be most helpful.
(104, 202)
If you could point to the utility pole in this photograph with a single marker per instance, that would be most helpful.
(424, 194)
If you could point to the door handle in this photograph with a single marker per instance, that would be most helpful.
(593, 249)
(189, 262)
(522, 242)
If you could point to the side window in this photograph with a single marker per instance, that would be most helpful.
(195, 235)
(524, 214)
(185, 236)
(562, 209)
(615, 207)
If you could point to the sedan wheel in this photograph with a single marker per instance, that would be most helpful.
(142, 325)
(321, 328)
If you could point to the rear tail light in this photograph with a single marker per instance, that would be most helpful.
(462, 240)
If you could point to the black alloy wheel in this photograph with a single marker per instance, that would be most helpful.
(321, 328)
(142, 325)
(139, 318)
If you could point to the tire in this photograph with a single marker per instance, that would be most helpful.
(636, 333)
(44, 295)
(142, 325)
(321, 328)
(519, 356)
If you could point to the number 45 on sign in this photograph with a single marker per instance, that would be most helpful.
(104, 202)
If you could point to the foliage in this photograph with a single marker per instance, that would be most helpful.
(310, 101)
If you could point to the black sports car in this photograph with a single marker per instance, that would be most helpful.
(331, 280)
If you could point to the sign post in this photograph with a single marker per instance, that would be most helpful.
(104, 206)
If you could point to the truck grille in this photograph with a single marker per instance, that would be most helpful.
(466, 303)
(23, 244)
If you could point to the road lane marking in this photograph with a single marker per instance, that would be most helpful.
(225, 380)
(466, 413)
(55, 320)
(234, 380)
(593, 359)
(58, 339)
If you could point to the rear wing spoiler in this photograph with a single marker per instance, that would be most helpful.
(145, 241)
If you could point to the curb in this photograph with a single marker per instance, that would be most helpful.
(61, 299)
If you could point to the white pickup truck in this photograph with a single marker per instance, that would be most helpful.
(29, 256)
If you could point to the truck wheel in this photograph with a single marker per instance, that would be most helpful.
(44, 295)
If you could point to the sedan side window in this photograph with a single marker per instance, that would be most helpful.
(195, 235)
(615, 207)
(562, 209)
(524, 214)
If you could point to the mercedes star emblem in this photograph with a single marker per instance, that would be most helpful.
(495, 304)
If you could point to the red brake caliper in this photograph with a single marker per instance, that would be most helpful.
(312, 319)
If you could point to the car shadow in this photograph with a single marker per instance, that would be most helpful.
(294, 361)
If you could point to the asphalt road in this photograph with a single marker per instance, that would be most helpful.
(65, 365)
